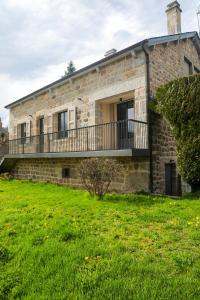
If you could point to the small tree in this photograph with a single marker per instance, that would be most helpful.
(96, 175)
(179, 103)
(70, 69)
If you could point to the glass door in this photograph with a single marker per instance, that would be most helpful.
(125, 113)
(41, 130)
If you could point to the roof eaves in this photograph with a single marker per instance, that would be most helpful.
(150, 42)
(78, 73)
(171, 38)
(196, 41)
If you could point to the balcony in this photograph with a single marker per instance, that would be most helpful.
(122, 138)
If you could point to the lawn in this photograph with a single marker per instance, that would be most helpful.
(58, 243)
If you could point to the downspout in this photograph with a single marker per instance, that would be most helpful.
(149, 116)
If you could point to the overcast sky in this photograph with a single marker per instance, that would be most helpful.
(38, 38)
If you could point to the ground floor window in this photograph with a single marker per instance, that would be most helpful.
(65, 173)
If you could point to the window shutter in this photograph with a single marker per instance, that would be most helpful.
(27, 129)
(18, 131)
(72, 121)
(18, 134)
(54, 122)
(72, 118)
(15, 132)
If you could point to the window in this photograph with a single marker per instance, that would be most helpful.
(65, 173)
(3, 137)
(41, 125)
(196, 70)
(188, 66)
(23, 133)
(62, 124)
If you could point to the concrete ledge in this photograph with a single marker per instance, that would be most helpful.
(115, 153)
(105, 153)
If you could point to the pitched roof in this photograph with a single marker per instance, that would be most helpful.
(148, 42)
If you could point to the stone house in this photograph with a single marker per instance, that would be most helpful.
(102, 110)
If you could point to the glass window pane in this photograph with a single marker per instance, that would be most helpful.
(62, 124)
(66, 121)
(131, 113)
(23, 130)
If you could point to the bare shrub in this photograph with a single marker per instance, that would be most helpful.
(96, 175)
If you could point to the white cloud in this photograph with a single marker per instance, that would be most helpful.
(38, 38)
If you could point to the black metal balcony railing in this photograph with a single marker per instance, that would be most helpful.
(128, 134)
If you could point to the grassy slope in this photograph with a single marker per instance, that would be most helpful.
(63, 245)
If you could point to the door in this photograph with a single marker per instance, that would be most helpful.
(125, 112)
(170, 179)
(23, 133)
(41, 136)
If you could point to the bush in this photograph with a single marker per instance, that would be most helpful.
(179, 103)
(96, 175)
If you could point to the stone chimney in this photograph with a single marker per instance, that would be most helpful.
(174, 17)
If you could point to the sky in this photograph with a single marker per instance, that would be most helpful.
(38, 38)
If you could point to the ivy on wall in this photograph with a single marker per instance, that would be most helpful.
(179, 103)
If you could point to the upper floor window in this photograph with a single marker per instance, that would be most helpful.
(62, 124)
(23, 133)
(188, 66)
(23, 130)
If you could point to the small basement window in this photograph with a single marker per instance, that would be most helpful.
(65, 173)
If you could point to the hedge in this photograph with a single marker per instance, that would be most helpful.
(179, 103)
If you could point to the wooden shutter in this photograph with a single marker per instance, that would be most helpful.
(72, 121)
(15, 132)
(72, 118)
(18, 131)
(27, 129)
(19, 134)
(55, 122)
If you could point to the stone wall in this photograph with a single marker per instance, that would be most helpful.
(83, 96)
(90, 98)
(167, 63)
(133, 177)
(163, 151)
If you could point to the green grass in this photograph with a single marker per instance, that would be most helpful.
(57, 243)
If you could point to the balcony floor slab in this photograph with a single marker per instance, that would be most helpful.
(87, 154)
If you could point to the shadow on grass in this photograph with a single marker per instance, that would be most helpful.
(135, 199)
(191, 196)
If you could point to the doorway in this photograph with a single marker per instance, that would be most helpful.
(41, 134)
(125, 128)
(171, 182)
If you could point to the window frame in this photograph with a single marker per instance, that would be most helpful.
(66, 173)
(63, 133)
(23, 133)
(190, 65)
